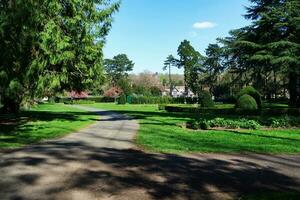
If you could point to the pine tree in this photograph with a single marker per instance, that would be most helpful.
(169, 62)
(213, 64)
(192, 63)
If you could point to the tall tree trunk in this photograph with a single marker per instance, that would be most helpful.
(170, 81)
(275, 84)
(294, 87)
(186, 89)
(10, 106)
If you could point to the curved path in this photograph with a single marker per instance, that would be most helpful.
(100, 162)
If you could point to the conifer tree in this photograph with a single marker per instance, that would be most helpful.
(50, 46)
(192, 63)
(270, 44)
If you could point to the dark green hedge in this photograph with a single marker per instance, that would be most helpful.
(82, 101)
(233, 111)
(160, 100)
(97, 99)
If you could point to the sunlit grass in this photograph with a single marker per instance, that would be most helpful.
(161, 131)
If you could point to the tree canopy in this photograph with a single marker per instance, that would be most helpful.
(50, 46)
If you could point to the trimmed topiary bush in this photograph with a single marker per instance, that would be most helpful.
(122, 99)
(246, 102)
(253, 93)
(205, 100)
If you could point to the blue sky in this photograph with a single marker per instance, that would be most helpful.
(149, 30)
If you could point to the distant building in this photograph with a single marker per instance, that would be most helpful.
(178, 91)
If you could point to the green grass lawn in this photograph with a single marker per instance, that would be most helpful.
(161, 131)
(40, 123)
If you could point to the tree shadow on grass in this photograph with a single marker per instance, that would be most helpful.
(21, 128)
(115, 172)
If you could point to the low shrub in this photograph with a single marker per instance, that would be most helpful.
(225, 123)
(246, 102)
(205, 100)
(151, 100)
(234, 111)
(253, 93)
(198, 124)
(284, 122)
(122, 99)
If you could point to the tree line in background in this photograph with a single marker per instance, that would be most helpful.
(48, 47)
(118, 79)
(264, 54)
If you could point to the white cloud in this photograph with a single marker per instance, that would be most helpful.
(204, 25)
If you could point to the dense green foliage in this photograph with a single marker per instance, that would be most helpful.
(246, 102)
(205, 99)
(50, 46)
(117, 70)
(122, 99)
(229, 109)
(267, 51)
(224, 123)
(253, 93)
(190, 60)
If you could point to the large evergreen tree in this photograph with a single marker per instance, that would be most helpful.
(50, 46)
(271, 44)
(213, 64)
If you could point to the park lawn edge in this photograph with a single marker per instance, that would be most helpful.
(141, 143)
(62, 134)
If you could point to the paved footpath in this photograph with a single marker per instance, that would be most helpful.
(101, 162)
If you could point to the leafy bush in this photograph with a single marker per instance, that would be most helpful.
(233, 111)
(122, 99)
(151, 100)
(284, 122)
(246, 102)
(253, 93)
(205, 100)
(225, 123)
(198, 124)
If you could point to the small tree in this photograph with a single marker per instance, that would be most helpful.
(122, 99)
(205, 99)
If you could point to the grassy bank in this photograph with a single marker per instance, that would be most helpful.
(43, 122)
